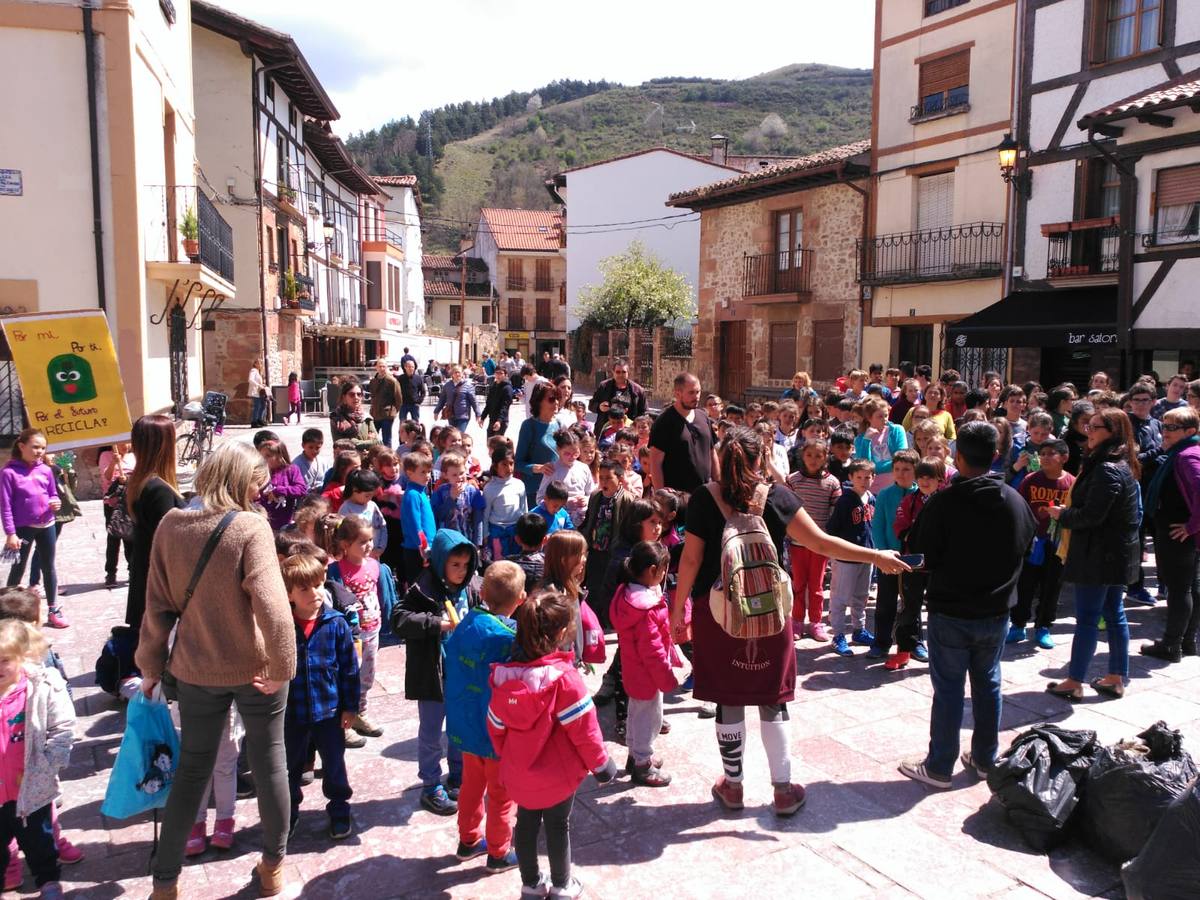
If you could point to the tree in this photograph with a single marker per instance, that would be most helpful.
(638, 291)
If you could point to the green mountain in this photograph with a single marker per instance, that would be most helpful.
(499, 153)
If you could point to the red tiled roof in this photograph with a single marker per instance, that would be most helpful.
(538, 230)
(1168, 95)
(441, 289)
(437, 261)
(396, 180)
(783, 171)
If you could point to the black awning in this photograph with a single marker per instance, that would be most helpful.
(1071, 317)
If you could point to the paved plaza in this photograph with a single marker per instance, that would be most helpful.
(866, 832)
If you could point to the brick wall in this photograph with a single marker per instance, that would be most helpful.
(233, 340)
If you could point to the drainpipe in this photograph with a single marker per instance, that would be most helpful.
(89, 48)
(1125, 270)
(862, 303)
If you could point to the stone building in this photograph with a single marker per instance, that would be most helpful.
(777, 272)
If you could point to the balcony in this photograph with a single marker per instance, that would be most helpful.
(543, 323)
(384, 236)
(974, 250)
(300, 306)
(1088, 248)
(777, 277)
(347, 312)
(170, 255)
(938, 106)
(516, 282)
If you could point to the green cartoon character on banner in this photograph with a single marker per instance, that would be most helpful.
(71, 379)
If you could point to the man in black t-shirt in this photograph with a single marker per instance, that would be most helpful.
(682, 455)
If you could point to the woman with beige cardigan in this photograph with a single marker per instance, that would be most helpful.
(235, 643)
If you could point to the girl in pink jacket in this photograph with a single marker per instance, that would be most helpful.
(543, 726)
(639, 614)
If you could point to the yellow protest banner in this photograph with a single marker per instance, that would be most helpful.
(69, 376)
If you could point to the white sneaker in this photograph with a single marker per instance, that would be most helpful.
(541, 889)
(573, 888)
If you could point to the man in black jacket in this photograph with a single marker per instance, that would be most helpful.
(498, 403)
(412, 391)
(618, 389)
(975, 535)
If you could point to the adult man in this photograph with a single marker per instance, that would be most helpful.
(412, 391)
(489, 365)
(618, 389)
(457, 400)
(557, 367)
(408, 357)
(974, 535)
(1176, 397)
(498, 403)
(385, 400)
(682, 455)
(543, 367)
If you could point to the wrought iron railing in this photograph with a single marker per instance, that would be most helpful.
(166, 208)
(514, 323)
(216, 238)
(785, 272)
(933, 7)
(1084, 248)
(974, 250)
(516, 282)
(953, 100)
(382, 232)
(543, 323)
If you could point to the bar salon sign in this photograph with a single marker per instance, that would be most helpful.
(1079, 338)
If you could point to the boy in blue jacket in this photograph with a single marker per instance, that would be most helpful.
(883, 534)
(849, 582)
(458, 504)
(484, 636)
(323, 696)
(416, 514)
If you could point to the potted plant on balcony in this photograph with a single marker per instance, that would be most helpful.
(289, 288)
(287, 193)
(189, 230)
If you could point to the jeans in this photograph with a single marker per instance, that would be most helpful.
(1091, 602)
(431, 717)
(1179, 572)
(45, 539)
(645, 720)
(886, 600)
(958, 649)
(330, 742)
(258, 413)
(113, 549)
(384, 424)
(460, 424)
(35, 836)
(410, 411)
(1046, 582)
(482, 776)
(557, 820)
(203, 713)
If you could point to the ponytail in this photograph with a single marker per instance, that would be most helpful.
(741, 463)
(643, 555)
(541, 619)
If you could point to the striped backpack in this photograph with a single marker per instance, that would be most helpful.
(752, 597)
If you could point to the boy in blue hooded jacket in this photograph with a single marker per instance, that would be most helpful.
(484, 636)
(423, 620)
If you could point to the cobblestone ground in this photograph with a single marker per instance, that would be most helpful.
(866, 832)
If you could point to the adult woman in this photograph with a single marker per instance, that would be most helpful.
(1013, 401)
(735, 673)
(1058, 403)
(800, 390)
(565, 417)
(28, 501)
(151, 492)
(256, 390)
(1076, 434)
(116, 464)
(1173, 507)
(910, 396)
(349, 418)
(240, 645)
(536, 452)
(1103, 551)
(935, 399)
(878, 440)
(385, 400)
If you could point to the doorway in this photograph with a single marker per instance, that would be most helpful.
(915, 344)
(732, 364)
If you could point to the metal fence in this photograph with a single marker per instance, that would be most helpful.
(974, 250)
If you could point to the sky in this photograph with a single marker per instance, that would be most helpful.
(384, 59)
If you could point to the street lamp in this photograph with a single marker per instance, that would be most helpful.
(1008, 151)
(330, 230)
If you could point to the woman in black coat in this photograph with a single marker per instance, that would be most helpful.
(1103, 551)
(151, 492)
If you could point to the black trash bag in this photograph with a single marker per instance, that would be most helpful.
(1168, 868)
(1038, 779)
(1128, 791)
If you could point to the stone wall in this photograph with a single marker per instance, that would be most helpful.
(233, 340)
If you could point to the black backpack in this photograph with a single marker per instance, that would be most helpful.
(115, 662)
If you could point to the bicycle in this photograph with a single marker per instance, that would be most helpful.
(197, 443)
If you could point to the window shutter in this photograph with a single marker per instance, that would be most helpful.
(783, 350)
(1178, 186)
(940, 75)
(374, 285)
(827, 349)
(1098, 10)
(935, 202)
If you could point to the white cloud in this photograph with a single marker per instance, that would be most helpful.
(382, 59)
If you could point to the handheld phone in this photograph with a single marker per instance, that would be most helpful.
(913, 560)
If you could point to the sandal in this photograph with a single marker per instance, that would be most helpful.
(1072, 694)
(1115, 691)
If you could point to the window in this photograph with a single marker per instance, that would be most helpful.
(542, 277)
(455, 314)
(269, 89)
(783, 351)
(789, 238)
(1177, 205)
(281, 155)
(486, 315)
(827, 349)
(933, 7)
(944, 85)
(291, 116)
(1123, 28)
(516, 275)
(516, 314)
(374, 285)
(543, 315)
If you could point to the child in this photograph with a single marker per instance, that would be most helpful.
(841, 448)
(422, 619)
(361, 487)
(642, 425)
(579, 408)
(1042, 572)
(504, 503)
(485, 636)
(616, 421)
(850, 582)
(323, 700)
(589, 454)
(544, 729)
(311, 468)
(416, 515)
(457, 503)
(465, 448)
(787, 433)
(931, 475)
(818, 491)
(374, 588)
(344, 463)
(411, 431)
(553, 508)
(601, 525)
(340, 447)
(37, 722)
(904, 477)
(639, 614)
(736, 415)
(572, 473)
(622, 454)
(566, 559)
(293, 399)
(530, 535)
(1026, 461)
(388, 498)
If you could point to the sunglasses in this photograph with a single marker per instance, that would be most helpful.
(1090, 427)
(1173, 427)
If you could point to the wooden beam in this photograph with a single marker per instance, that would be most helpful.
(1158, 121)
(1112, 131)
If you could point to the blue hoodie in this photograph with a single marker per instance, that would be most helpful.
(416, 518)
(482, 638)
(886, 504)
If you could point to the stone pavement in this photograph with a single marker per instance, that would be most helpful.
(866, 832)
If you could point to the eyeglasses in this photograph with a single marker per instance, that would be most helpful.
(1101, 427)
(1141, 399)
(1174, 426)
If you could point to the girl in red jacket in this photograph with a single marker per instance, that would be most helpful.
(643, 623)
(544, 729)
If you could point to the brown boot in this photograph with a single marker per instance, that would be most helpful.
(270, 877)
(165, 891)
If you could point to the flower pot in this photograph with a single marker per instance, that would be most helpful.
(191, 248)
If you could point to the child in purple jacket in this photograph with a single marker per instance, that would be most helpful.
(287, 486)
(28, 502)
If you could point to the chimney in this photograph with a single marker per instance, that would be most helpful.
(720, 149)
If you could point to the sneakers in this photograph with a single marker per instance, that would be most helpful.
(788, 799)
(68, 853)
(307, 777)
(353, 739)
(470, 851)
(197, 841)
(573, 888)
(897, 660)
(841, 647)
(56, 619)
(917, 772)
(452, 784)
(876, 652)
(366, 727)
(708, 710)
(502, 863)
(438, 802)
(655, 761)
(728, 793)
(1140, 595)
(1162, 650)
(819, 632)
(51, 890)
(1016, 634)
(650, 775)
(1042, 638)
(968, 762)
(340, 827)
(110, 579)
(541, 889)
(920, 652)
(222, 836)
(864, 638)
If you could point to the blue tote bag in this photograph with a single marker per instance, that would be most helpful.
(146, 762)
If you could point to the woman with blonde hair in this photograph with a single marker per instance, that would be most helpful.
(214, 570)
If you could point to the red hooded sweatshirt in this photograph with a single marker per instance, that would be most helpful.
(643, 626)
